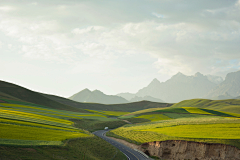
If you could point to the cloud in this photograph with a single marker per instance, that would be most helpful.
(182, 36)
(6, 8)
(238, 3)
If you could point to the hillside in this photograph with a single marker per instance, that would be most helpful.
(230, 105)
(15, 92)
(97, 96)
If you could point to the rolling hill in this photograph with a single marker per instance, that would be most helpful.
(230, 105)
(14, 92)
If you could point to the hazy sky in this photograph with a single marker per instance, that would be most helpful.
(63, 46)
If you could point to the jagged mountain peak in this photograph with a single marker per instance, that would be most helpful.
(198, 74)
(233, 76)
(231, 85)
(97, 91)
(85, 90)
(155, 81)
(179, 74)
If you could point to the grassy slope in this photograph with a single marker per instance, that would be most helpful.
(231, 105)
(164, 130)
(89, 148)
(17, 92)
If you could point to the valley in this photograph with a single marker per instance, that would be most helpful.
(30, 126)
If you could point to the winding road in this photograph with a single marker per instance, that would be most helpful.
(130, 153)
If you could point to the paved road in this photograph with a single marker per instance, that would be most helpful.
(130, 153)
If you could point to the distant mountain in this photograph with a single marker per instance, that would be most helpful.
(179, 87)
(237, 97)
(215, 79)
(145, 98)
(127, 96)
(97, 96)
(231, 85)
(222, 97)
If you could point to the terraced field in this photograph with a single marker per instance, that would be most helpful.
(156, 114)
(108, 113)
(212, 129)
(38, 126)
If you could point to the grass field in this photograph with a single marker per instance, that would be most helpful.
(154, 117)
(213, 131)
(210, 129)
(40, 125)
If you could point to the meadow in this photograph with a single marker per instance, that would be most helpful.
(212, 129)
(41, 125)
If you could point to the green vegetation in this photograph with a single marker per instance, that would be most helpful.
(154, 117)
(9, 131)
(140, 112)
(230, 105)
(108, 113)
(88, 148)
(215, 131)
(212, 129)
(93, 125)
(137, 120)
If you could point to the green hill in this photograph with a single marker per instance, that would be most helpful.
(14, 92)
(229, 105)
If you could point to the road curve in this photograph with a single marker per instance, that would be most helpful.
(130, 153)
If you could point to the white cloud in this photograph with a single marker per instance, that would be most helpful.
(87, 30)
(6, 8)
(238, 3)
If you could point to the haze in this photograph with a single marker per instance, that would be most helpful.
(61, 47)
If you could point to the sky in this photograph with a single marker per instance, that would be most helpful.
(61, 47)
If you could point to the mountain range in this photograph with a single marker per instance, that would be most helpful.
(178, 88)
(230, 86)
(181, 87)
(97, 96)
